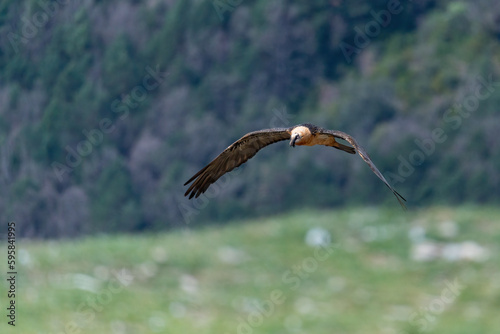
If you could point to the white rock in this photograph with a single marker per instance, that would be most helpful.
(425, 251)
(231, 255)
(474, 252)
(317, 237)
(189, 284)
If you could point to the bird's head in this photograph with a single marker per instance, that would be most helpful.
(294, 139)
(299, 136)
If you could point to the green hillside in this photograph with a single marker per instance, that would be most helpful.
(260, 276)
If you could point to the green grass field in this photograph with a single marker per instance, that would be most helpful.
(260, 276)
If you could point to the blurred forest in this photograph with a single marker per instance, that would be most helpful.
(108, 107)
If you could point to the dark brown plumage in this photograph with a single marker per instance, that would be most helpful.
(247, 146)
(233, 156)
(364, 155)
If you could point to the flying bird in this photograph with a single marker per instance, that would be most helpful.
(300, 135)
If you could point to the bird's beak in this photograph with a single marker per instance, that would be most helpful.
(293, 140)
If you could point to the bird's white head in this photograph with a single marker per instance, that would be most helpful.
(299, 135)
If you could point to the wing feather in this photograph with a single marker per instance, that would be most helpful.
(236, 154)
(361, 151)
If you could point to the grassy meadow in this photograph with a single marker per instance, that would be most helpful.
(261, 276)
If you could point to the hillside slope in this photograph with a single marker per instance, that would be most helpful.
(263, 276)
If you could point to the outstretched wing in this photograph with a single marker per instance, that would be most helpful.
(366, 158)
(233, 156)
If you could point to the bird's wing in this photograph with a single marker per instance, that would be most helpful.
(366, 158)
(233, 156)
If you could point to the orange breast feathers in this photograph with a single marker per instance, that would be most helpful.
(322, 139)
(309, 139)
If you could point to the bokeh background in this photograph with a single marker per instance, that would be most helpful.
(108, 107)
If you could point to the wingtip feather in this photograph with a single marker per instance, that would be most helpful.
(400, 198)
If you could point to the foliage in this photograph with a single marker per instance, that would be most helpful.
(176, 84)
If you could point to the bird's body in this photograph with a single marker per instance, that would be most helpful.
(247, 146)
(311, 135)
